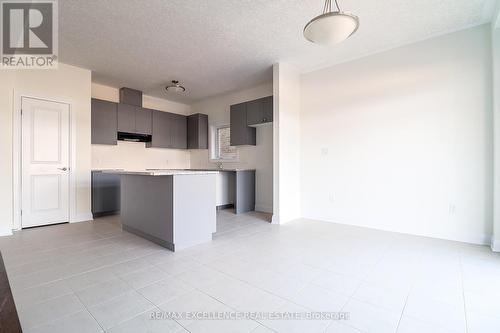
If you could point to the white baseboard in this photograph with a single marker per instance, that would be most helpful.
(478, 239)
(264, 208)
(278, 220)
(495, 245)
(82, 217)
(5, 230)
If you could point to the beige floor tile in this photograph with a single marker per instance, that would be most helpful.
(251, 265)
(120, 309)
(103, 292)
(48, 311)
(80, 322)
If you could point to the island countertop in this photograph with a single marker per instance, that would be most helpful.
(161, 172)
(207, 169)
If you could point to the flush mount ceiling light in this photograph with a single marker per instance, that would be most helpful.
(175, 87)
(331, 27)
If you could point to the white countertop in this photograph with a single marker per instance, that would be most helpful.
(225, 169)
(207, 169)
(161, 172)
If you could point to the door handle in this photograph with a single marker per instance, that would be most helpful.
(63, 169)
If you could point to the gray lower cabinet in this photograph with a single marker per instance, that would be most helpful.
(134, 119)
(245, 191)
(241, 134)
(197, 131)
(174, 211)
(169, 131)
(237, 188)
(260, 111)
(104, 122)
(105, 193)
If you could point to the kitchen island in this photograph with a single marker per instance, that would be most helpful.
(173, 208)
(235, 187)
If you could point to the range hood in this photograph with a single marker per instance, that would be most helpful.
(132, 97)
(133, 137)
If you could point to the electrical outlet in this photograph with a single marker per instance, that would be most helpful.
(324, 151)
(331, 198)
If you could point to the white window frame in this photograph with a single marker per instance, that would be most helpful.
(214, 146)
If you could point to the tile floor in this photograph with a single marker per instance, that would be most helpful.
(93, 277)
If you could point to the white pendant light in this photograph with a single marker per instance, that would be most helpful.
(331, 27)
(175, 87)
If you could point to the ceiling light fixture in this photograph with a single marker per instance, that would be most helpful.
(175, 87)
(331, 27)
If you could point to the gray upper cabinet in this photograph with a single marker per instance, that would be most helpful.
(241, 134)
(160, 134)
(197, 131)
(134, 119)
(126, 118)
(174, 131)
(254, 112)
(104, 122)
(268, 107)
(143, 120)
(169, 131)
(245, 115)
(260, 111)
(179, 131)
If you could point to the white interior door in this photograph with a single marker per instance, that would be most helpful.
(45, 162)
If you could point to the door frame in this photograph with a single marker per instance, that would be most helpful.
(17, 153)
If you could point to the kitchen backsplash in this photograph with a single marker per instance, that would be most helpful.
(135, 156)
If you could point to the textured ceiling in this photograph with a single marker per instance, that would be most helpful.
(215, 46)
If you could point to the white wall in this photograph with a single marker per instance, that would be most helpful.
(135, 155)
(259, 157)
(6, 105)
(495, 40)
(69, 84)
(402, 140)
(287, 136)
